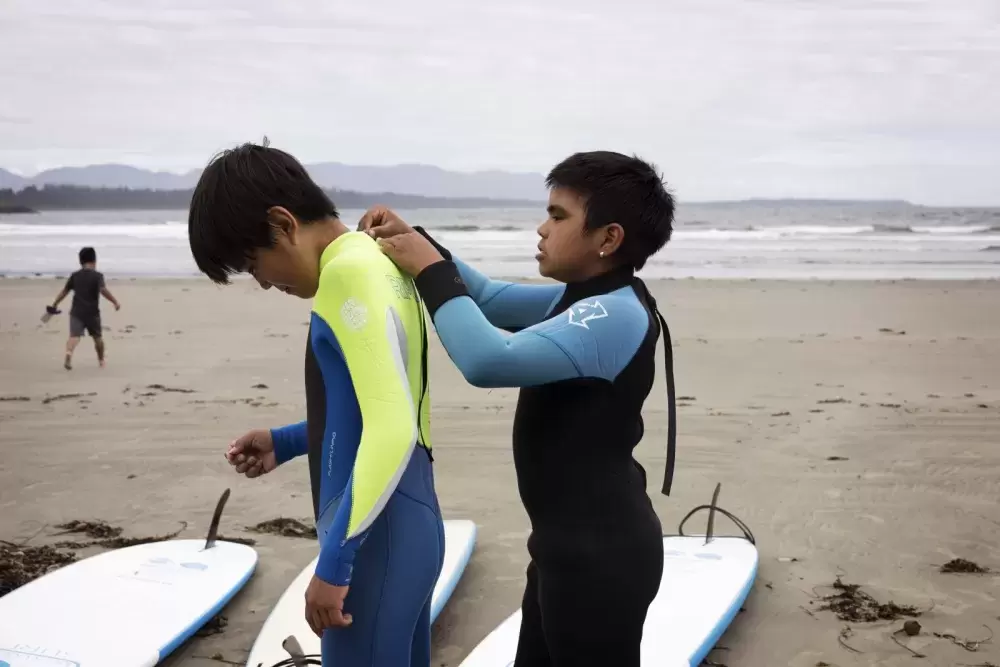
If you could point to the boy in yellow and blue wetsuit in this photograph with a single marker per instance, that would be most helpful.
(256, 210)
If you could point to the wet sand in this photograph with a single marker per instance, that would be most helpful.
(854, 426)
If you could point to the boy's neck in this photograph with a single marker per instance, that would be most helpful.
(89, 265)
(322, 234)
(328, 231)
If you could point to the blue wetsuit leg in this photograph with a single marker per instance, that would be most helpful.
(420, 648)
(395, 571)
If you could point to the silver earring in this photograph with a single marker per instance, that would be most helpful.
(602, 254)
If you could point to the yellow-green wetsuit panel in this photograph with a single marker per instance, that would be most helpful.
(368, 405)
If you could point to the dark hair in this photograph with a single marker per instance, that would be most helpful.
(88, 255)
(622, 189)
(227, 220)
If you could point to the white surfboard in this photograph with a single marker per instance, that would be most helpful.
(287, 618)
(704, 584)
(129, 607)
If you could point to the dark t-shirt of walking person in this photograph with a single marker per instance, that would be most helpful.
(85, 314)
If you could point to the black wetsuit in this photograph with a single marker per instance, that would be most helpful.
(583, 355)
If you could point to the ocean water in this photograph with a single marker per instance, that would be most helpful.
(745, 240)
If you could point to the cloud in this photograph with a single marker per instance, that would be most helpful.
(863, 91)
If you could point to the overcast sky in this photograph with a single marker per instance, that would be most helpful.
(730, 98)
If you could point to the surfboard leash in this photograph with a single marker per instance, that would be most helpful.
(296, 657)
(712, 509)
(299, 661)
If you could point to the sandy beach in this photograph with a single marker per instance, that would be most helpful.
(855, 427)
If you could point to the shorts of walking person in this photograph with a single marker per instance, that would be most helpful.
(91, 325)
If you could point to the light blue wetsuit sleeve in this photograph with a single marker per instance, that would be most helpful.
(507, 305)
(596, 338)
(289, 441)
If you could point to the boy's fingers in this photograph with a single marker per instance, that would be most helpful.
(337, 618)
(373, 217)
(380, 232)
(388, 229)
(249, 467)
(311, 620)
(317, 622)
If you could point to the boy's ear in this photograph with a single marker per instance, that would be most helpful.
(614, 235)
(284, 223)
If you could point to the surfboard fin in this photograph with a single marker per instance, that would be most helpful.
(213, 528)
(712, 509)
(294, 649)
(710, 529)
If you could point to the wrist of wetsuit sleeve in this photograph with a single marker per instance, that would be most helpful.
(289, 441)
(335, 566)
(437, 246)
(438, 283)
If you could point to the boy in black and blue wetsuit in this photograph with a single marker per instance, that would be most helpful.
(582, 353)
(367, 406)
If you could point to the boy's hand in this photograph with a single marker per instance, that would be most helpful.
(380, 222)
(411, 252)
(118, 306)
(252, 454)
(325, 606)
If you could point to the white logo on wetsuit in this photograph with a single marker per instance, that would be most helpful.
(354, 314)
(583, 312)
(329, 458)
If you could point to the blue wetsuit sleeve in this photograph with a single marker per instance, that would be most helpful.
(289, 441)
(595, 337)
(507, 305)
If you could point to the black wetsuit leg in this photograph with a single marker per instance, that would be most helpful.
(589, 610)
(531, 648)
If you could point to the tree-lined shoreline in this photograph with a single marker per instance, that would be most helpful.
(81, 198)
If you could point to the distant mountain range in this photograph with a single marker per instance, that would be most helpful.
(406, 179)
(360, 183)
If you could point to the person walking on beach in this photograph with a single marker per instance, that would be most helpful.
(87, 285)
(582, 352)
(256, 210)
